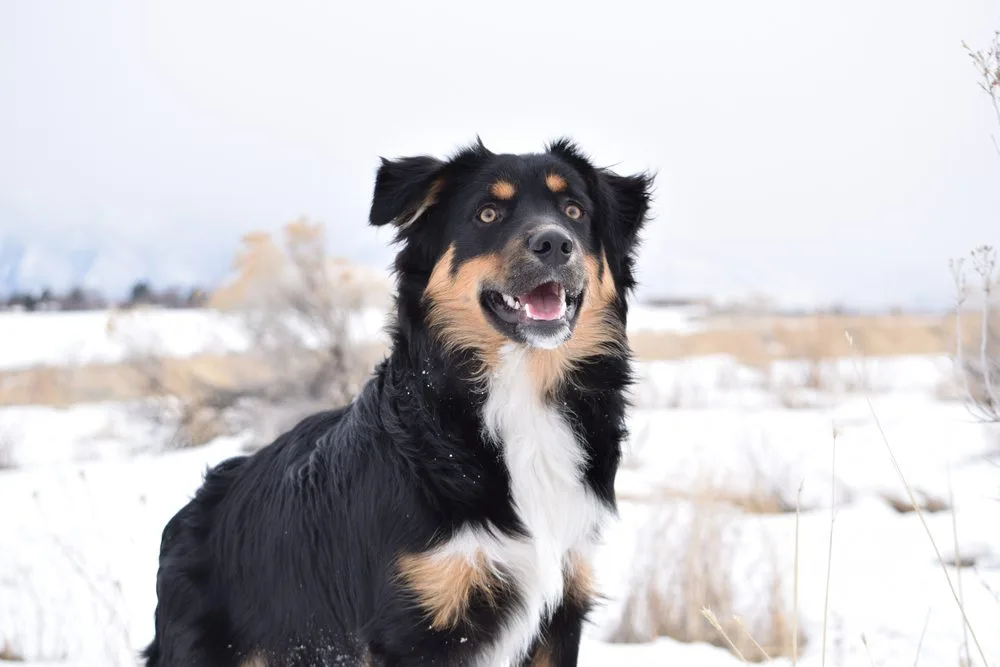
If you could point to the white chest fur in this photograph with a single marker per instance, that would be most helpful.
(545, 462)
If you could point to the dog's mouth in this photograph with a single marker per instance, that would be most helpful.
(548, 302)
(542, 316)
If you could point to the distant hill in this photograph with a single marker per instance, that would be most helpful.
(109, 269)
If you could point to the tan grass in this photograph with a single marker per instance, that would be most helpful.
(8, 653)
(754, 341)
(757, 341)
(757, 501)
(928, 502)
(66, 385)
(683, 585)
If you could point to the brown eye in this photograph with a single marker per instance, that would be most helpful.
(488, 214)
(572, 211)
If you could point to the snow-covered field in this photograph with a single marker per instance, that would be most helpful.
(58, 338)
(84, 506)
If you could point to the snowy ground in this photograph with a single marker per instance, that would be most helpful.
(58, 338)
(85, 506)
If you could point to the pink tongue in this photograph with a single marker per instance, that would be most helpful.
(543, 302)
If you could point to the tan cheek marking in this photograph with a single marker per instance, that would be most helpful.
(596, 332)
(503, 190)
(445, 584)
(454, 311)
(554, 182)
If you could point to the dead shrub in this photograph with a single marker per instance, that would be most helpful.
(689, 554)
(977, 354)
(296, 306)
(926, 502)
(8, 653)
(759, 485)
(979, 368)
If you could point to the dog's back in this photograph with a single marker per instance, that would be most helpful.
(243, 550)
(185, 620)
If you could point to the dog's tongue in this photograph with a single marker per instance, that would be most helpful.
(545, 302)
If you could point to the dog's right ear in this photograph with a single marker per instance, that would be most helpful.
(405, 189)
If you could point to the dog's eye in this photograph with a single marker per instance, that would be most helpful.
(573, 211)
(488, 214)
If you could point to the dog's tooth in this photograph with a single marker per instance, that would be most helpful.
(512, 302)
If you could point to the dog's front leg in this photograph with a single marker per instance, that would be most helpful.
(558, 642)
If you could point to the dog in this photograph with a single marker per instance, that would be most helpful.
(447, 515)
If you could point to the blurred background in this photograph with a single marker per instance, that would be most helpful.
(186, 270)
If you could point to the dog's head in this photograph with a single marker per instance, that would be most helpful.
(535, 250)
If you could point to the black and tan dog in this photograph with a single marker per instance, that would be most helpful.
(446, 516)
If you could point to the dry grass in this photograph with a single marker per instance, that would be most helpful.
(757, 341)
(754, 341)
(927, 502)
(977, 363)
(762, 502)
(9, 654)
(66, 385)
(690, 565)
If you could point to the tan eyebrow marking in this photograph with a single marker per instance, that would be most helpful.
(555, 182)
(503, 190)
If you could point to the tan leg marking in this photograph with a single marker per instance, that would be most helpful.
(445, 584)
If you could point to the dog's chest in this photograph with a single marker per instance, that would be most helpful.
(545, 461)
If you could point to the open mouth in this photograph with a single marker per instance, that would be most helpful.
(548, 303)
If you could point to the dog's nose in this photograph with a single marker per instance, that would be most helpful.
(553, 246)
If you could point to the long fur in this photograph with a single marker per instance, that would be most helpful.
(446, 516)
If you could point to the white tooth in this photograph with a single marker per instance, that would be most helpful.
(511, 302)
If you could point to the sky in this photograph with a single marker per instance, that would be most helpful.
(818, 153)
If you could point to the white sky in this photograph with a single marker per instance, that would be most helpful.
(815, 151)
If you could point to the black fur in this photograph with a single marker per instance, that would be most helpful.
(290, 554)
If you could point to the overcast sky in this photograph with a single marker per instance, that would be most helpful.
(814, 151)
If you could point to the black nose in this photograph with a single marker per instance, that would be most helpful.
(552, 246)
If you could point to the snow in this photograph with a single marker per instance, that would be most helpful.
(92, 491)
(76, 338)
(679, 319)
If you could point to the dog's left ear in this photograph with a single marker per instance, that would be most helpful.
(631, 197)
(405, 189)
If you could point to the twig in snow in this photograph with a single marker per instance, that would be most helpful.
(829, 557)
(916, 507)
(795, 585)
(710, 615)
(958, 561)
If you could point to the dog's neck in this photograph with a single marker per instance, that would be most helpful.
(438, 398)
